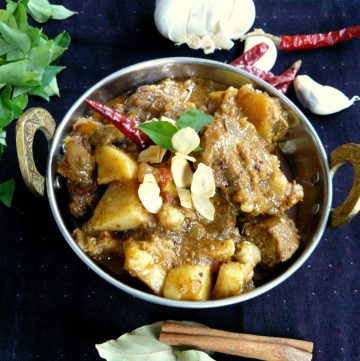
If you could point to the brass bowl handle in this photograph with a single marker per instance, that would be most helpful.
(351, 206)
(29, 123)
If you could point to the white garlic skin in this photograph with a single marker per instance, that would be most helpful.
(320, 99)
(267, 61)
(204, 24)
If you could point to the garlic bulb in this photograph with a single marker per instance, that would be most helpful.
(320, 99)
(267, 61)
(204, 24)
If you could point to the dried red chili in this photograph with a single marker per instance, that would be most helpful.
(252, 55)
(125, 125)
(283, 81)
(311, 41)
(262, 74)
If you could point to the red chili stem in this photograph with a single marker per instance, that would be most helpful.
(252, 55)
(284, 81)
(311, 41)
(262, 74)
(125, 125)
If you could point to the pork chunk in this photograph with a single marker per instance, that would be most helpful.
(275, 236)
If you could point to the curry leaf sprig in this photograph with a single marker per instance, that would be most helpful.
(162, 131)
(28, 63)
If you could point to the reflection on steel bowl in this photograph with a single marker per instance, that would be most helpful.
(220, 211)
(176, 251)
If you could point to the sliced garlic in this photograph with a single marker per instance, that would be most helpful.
(320, 99)
(149, 178)
(149, 194)
(185, 140)
(166, 119)
(187, 157)
(267, 61)
(185, 197)
(203, 206)
(203, 183)
(181, 172)
(153, 154)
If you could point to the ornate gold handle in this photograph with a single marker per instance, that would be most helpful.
(351, 206)
(30, 122)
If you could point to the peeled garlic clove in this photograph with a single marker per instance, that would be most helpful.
(187, 157)
(149, 194)
(320, 99)
(185, 197)
(203, 206)
(181, 172)
(153, 154)
(149, 178)
(267, 61)
(203, 183)
(185, 140)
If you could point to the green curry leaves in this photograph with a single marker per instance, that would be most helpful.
(161, 131)
(143, 344)
(28, 63)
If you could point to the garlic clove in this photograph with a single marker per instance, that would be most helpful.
(267, 61)
(153, 154)
(187, 157)
(185, 140)
(149, 194)
(203, 206)
(181, 172)
(203, 183)
(320, 99)
(185, 197)
(149, 178)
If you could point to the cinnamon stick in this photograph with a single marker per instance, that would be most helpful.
(173, 327)
(252, 346)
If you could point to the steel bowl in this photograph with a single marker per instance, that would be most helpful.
(303, 151)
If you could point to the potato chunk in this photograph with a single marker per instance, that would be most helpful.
(188, 282)
(114, 164)
(141, 264)
(232, 278)
(120, 209)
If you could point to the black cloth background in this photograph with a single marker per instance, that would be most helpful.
(53, 308)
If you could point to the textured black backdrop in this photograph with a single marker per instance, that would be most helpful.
(53, 308)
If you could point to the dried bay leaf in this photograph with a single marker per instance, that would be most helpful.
(143, 344)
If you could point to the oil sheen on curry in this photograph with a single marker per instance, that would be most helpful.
(191, 222)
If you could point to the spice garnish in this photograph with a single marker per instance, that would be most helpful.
(252, 55)
(124, 124)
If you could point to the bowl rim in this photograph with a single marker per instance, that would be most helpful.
(147, 296)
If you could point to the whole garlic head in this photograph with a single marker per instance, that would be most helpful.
(320, 99)
(204, 24)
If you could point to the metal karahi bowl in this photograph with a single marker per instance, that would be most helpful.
(302, 150)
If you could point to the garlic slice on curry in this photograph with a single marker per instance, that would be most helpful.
(185, 140)
(170, 120)
(187, 157)
(149, 194)
(181, 172)
(153, 154)
(203, 206)
(203, 183)
(185, 197)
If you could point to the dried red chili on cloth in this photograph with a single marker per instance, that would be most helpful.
(252, 55)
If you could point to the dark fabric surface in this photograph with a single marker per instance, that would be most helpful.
(53, 308)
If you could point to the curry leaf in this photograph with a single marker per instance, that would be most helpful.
(60, 12)
(160, 132)
(143, 344)
(6, 192)
(195, 119)
(17, 38)
(16, 73)
(40, 10)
